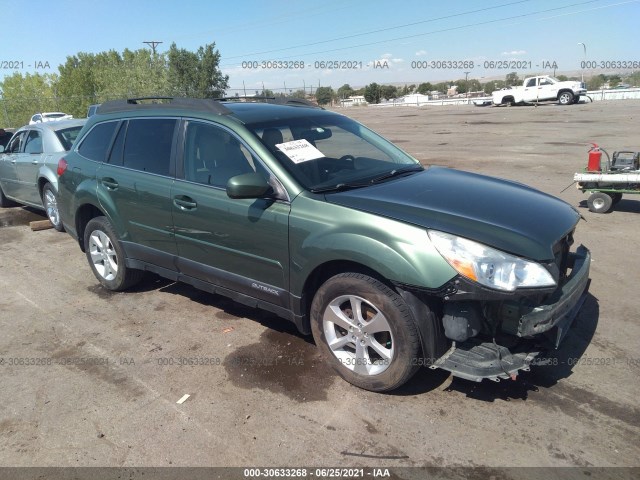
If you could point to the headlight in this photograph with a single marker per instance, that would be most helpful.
(488, 266)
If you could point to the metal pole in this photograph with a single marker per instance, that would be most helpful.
(466, 84)
(584, 48)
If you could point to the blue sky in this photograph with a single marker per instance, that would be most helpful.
(366, 32)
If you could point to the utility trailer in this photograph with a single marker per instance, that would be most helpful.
(621, 175)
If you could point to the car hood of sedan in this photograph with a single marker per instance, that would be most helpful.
(503, 214)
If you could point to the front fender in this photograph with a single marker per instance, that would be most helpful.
(400, 252)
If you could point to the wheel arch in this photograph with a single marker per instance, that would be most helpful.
(43, 179)
(323, 272)
(84, 214)
(432, 341)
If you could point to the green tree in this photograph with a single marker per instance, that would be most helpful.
(512, 79)
(299, 94)
(372, 93)
(196, 74)
(388, 91)
(425, 88)
(345, 91)
(23, 96)
(324, 95)
(493, 85)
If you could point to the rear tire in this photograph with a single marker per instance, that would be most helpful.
(365, 331)
(106, 256)
(616, 197)
(50, 202)
(600, 202)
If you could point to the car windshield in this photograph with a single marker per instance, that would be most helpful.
(67, 136)
(332, 151)
(54, 115)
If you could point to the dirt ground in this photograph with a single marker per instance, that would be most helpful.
(102, 372)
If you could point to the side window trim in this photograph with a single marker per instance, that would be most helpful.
(20, 140)
(180, 156)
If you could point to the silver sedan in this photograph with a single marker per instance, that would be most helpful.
(29, 162)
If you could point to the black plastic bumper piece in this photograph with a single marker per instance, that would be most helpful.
(558, 313)
(476, 360)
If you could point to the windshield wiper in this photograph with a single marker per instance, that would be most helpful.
(398, 171)
(339, 187)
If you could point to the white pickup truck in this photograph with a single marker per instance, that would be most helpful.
(540, 89)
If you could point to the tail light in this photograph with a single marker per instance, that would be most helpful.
(62, 166)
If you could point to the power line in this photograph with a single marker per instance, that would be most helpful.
(382, 29)
(460, 27)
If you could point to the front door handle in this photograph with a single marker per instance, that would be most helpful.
(184, 203)
(110, 183)
(34, 162)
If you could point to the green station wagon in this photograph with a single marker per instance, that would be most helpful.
(306, 213)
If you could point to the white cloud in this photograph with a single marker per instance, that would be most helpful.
(421, 53)
(515, 52)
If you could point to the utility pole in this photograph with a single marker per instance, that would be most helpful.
(584, 48)
(466, 83)
(153, 44)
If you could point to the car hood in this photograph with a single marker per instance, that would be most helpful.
(503, 214)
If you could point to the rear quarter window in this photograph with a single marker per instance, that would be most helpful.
(68, 136)
(95, 144)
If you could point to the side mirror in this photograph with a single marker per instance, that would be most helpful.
(248, 185)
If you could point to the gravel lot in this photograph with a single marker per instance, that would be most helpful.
(105, 374)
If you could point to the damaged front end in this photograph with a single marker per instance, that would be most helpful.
(496, 333)
(497, 338)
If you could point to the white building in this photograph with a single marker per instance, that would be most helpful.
(353, 101)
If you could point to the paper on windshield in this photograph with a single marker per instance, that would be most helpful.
(299, 151)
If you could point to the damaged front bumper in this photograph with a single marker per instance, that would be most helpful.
(539, 328)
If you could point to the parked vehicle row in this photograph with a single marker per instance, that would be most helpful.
(28, 165)
(312, 216)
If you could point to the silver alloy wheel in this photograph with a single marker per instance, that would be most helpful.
(51, 207)
(565, 98)
(598, 203)
(103, 255)
(358, 334)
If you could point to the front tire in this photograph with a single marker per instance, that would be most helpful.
(599, 202)
(365, 331)
(565, 98)
(50, 202)
(106, 256)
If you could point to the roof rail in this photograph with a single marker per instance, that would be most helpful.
(132, 104)
(295, 102)
(291, 101)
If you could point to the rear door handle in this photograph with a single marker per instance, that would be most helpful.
(34, 162)
(110, 183)
(184, 203)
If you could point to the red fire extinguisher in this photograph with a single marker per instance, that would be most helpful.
(595, 156)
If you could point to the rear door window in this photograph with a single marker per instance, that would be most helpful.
(34, 142)
(95, 144)
(148, 145)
